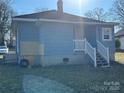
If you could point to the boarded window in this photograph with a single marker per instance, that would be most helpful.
(31, 48)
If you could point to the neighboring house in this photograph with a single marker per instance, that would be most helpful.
(7, 38)
(120, 35)
(55, 37)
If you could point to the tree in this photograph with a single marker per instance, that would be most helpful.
(5, 18)
(97, 13)
(118, 11)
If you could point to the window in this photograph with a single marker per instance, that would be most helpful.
(106, 34)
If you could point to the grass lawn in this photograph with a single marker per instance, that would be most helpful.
(82, 78)
(119, 56)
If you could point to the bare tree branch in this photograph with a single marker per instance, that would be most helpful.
(5, 18)
(97, 13)
(118, 10)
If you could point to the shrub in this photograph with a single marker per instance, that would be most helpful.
(117, 43)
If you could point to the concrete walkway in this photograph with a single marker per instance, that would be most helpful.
(35, 84)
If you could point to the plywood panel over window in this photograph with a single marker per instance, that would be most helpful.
(32, 48)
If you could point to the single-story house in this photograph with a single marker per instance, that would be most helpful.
(120, 36)
(54, 37)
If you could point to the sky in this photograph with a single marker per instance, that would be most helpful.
(78, 7)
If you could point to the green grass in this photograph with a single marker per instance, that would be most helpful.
(119, 56)
(82, 78)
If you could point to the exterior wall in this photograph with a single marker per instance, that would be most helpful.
(90, 34)
(58, 44)
(109, 44)
(28, 32)
(57, 40)
(59, 59)
(122, 42)
(94, 33)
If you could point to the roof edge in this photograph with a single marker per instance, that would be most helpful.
(63, 21)
(33, 13)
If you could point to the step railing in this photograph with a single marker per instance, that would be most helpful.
(103, 51)
(79, 45)
(90, 51)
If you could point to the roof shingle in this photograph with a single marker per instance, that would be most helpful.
(52, 14)
(120, 33)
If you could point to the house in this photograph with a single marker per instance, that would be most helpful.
(54, 37)
(120, 36)
(7, 38)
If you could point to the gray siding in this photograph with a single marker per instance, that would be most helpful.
(28, 32)
(109, 44)
(57, 38)
(90, 34)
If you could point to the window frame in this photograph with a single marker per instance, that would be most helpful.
(103, 33)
